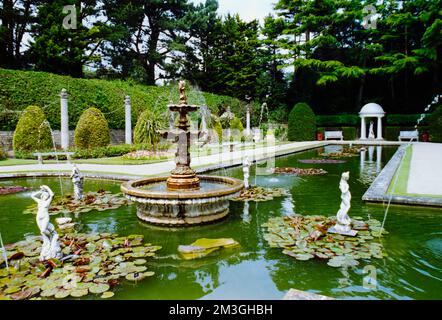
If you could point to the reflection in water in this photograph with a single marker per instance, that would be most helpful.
(332, 149)
(369, 170)
(288, 206)
(246, 217)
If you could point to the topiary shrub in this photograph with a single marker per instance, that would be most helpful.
(217, 127)
(435, 125)
(237, 129)
(33, 132)
(92, 130)
(147, 129)
(302, 123)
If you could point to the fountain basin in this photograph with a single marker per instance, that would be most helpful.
(158, 205)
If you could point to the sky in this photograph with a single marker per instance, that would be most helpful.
(247, 9)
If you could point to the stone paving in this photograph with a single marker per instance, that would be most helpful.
(211, 162)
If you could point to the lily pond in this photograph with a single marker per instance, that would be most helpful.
(412, 268)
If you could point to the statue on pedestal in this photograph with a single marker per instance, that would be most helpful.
(51, 248)
(182, 88)
(246, 171)
(343, 225)
(371, 131)
(77, 180)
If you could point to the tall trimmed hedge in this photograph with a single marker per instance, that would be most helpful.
(92, 130)
(435, 125)
(19, 89)
(33, 132)
(302, 123)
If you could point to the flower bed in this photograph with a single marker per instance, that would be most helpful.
(13, 189)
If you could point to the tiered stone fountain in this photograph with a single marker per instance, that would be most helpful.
(183, 198)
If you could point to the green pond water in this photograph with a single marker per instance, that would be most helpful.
(412, 270)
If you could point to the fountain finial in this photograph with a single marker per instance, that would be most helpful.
(182, 87)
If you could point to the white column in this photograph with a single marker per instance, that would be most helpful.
(248, 121)
(378, 158)
(380, 128)
(370, 153)
(363, 129)
(363, 153)
(127, 107)
(64, 120)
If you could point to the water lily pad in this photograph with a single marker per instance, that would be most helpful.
(78, 293)
(107, 295)
(99, 288)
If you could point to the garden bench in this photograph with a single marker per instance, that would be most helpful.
(409, 135)
(334, 135)
(40, 155)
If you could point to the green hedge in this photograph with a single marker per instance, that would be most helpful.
(19, 89)
(349, 133)
(435, 127)
(409, 120)
(33, 132)
(92, 130)
(353, 120)
(341, 120)
(302, 123)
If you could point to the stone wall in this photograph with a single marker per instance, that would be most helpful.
(117, 137)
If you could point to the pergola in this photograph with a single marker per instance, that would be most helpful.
(371, 110)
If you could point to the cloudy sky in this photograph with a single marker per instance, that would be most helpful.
(247, 9)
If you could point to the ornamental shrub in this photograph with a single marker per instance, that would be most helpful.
(33, 132)
(147, 129)
(435, 125)
(92, 130)
(302, 123)
(217, 127)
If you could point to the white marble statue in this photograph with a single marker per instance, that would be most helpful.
(343, 225)
(246, 171)
(51, 248)
(371, 131)
(77, 180)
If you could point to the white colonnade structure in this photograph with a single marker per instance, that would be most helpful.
(371, 110)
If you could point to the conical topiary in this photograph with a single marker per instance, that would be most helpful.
(92, 130)
(302, 123)
(33, 132)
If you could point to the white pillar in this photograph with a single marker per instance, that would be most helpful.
(363, 129)
(363, 154)
(370, 153)
(378, 158)
(127, 107)
(64, 120)
(380, 128)
(248, 121)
